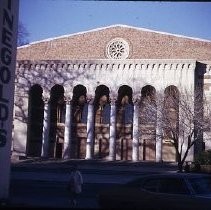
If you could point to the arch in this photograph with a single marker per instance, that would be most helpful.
(148, 105)
(102, 119)
(125, 105)
(78, 90)
(57, 120)
(123, 91)
(171, 121)
(101, 104)
(35, 123)
(147, 120)
(79, 104)
(149, 92)
(79, 119)
(172, 91)
(124, 123)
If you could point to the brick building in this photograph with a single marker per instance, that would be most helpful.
(80, 95)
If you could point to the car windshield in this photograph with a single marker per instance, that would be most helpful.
(201, 185)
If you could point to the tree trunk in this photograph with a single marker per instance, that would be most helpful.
(179, 162)
(180, 167)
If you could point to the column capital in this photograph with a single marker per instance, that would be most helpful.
(68, 99)
(113, 100)
(45, 97)
(136, 100)
(90, 99)
(68, 93)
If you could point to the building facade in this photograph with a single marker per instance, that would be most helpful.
(83, 95)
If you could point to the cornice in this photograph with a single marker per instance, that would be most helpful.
(142, 64)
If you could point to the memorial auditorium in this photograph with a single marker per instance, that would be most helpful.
(83, 95)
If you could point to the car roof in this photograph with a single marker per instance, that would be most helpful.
(170, 175)
(188, 175)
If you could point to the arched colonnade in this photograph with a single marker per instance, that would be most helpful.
(102, 126)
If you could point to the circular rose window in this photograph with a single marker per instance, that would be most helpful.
(117, 48)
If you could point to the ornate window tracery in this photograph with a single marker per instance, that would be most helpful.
(117, 48)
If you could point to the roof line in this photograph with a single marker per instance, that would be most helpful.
(112, 26)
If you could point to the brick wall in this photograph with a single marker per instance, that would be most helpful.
(92, 45)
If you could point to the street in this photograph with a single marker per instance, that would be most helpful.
(52, 194)
(44, 185)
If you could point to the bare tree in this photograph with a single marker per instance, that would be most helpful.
(23, 35)
(182, 120)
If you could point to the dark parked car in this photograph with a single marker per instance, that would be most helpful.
(161, 191)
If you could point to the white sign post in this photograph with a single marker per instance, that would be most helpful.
(8, 44)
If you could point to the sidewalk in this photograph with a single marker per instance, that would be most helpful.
(97, 165)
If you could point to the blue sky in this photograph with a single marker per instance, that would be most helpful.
(51, 18)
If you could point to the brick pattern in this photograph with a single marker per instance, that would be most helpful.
(92, 45)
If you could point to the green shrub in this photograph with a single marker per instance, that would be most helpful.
(204, 158)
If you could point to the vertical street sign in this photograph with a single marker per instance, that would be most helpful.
(8, 44)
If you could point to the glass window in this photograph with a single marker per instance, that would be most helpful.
(173, 186)
(106, 114)
(135, 182)
(201, 185)
(84, 113)
(151, 185)
(128, 114)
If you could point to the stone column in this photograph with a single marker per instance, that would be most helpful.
(112, 130)
(90, 129)
(159, 131)
(46, 127)
(135, 143)
(67, 129)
